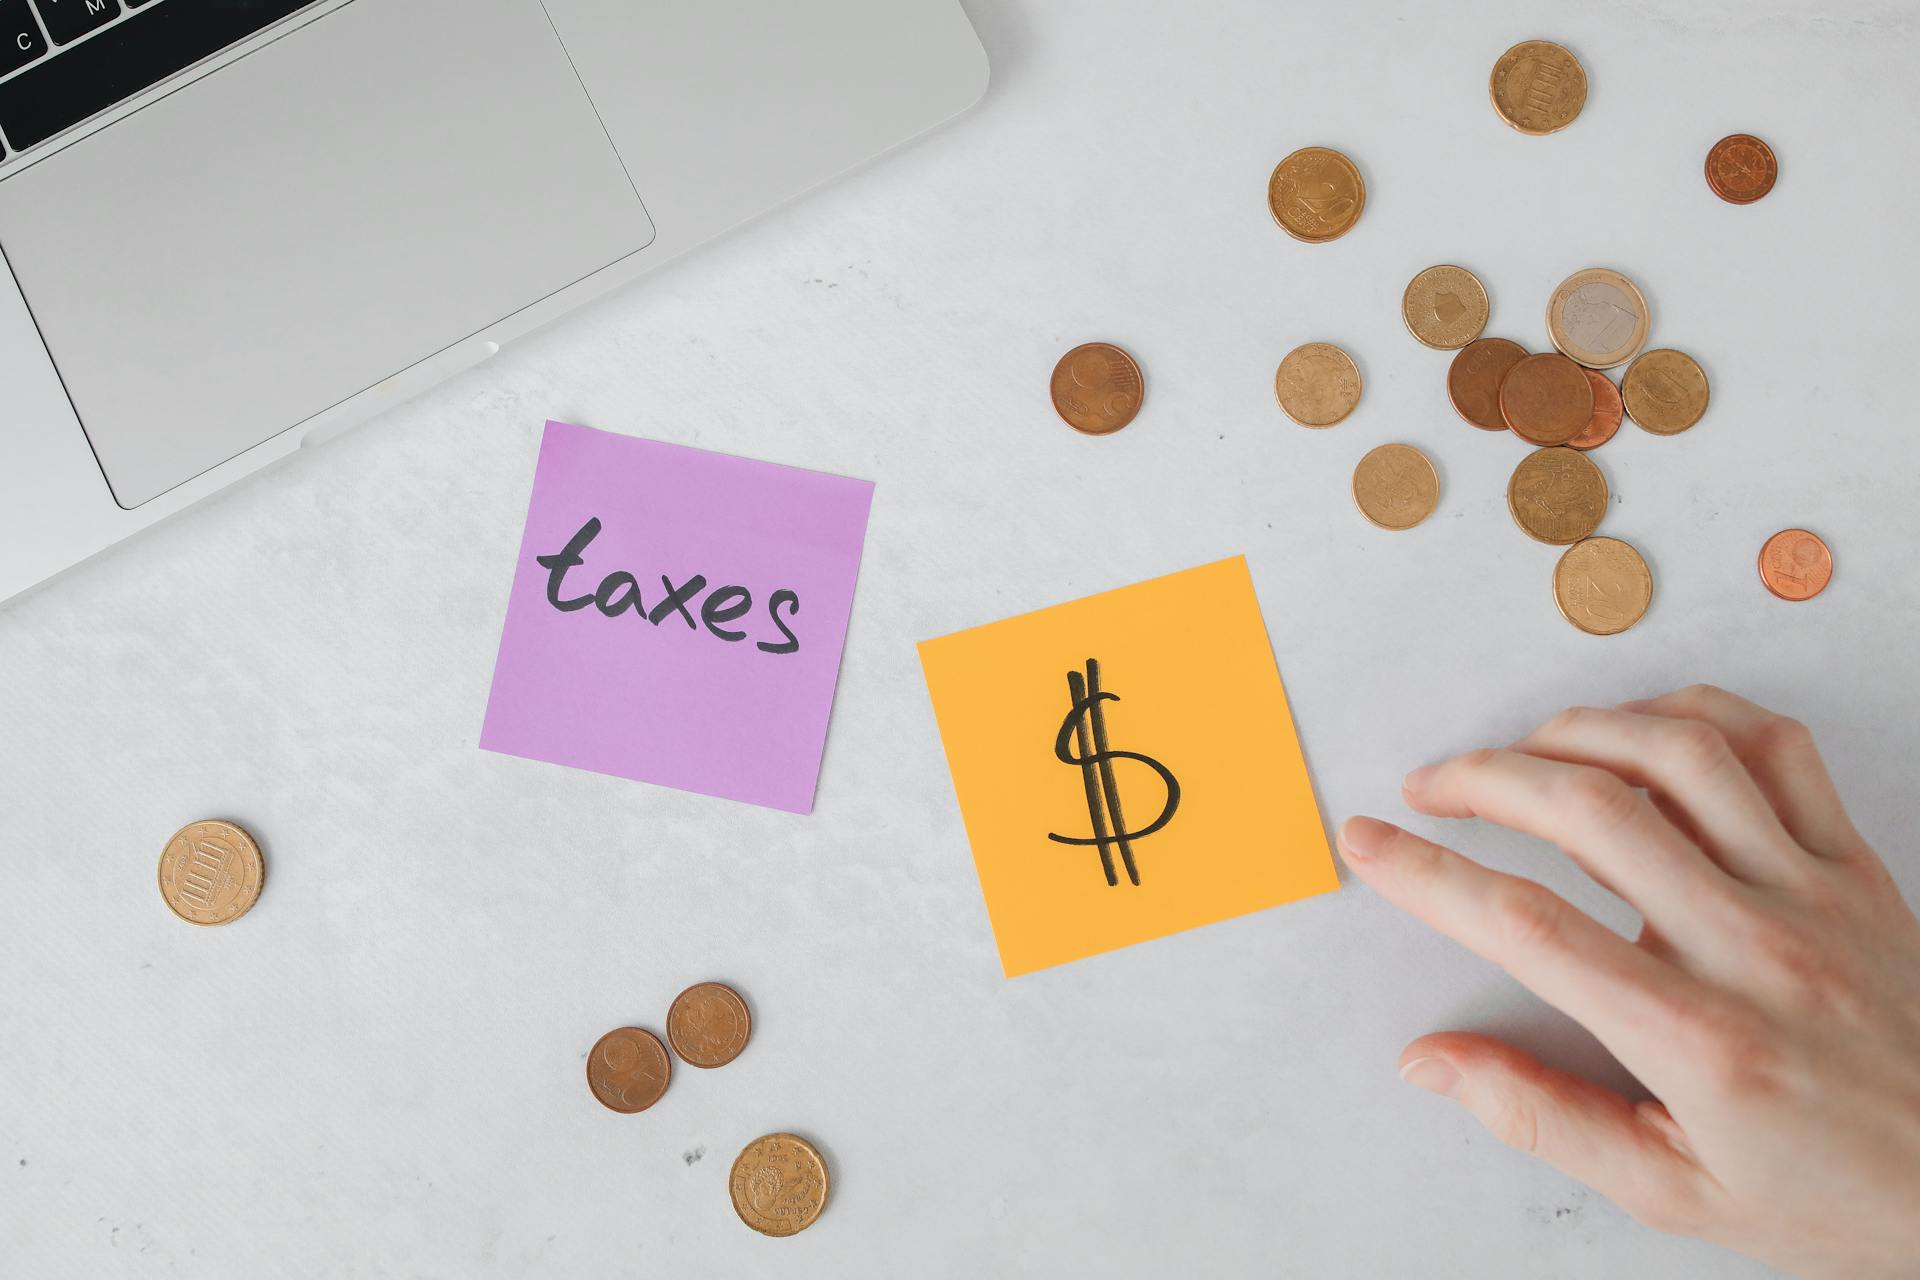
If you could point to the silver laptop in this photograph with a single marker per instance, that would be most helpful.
(234, 227)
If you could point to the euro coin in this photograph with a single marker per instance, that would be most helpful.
(1795, 565)
(1316, 194)
(628, 1069)
(1317, 384)
(1597, 317)
(1396, 487)
(1538, 87)
(1665, 391)
(1741, 168)
(708, 1024)
(1602, 586)
(1097, 388)
(1557, 496)
(1606, 413)
(211, 872)
(1473, 380)
(779, 1184)
(1546, 399)
(1445, 307)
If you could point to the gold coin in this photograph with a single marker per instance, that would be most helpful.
(779, 1184)
(1538, 87)
(1317, 384)
(1665, 391)
(708, 1024)
(1097, 388)
(629, 1069)
(1316, 194)
(1445, 307)
(1602, 586)
(1396, 487)
(211, 872)
(1557, 495)
(1597, 317)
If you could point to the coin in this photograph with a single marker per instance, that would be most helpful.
(1795, 565)
(1395, 486)
(1097, 388)
(1741, 168)
(211, 872)
(1538, 87)
(1597, 317)
(628, 1069)
(1557, 496)
(1602, 586)
(1546, 399)
(708, 1024)
(1317, 384)
(1665, 391)
(1316, 194)
(779, 1184)
(1606, 413)
(1473, 380)
(1445, 307)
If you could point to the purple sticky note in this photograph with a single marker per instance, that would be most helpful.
(677, 617)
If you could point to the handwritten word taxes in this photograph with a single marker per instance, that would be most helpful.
(620, 592)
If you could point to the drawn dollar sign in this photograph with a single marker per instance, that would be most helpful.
(1085, 726)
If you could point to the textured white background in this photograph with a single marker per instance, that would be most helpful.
(378, 1072)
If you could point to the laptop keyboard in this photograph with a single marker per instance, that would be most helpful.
(67, 60)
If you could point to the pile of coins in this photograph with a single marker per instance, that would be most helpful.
(779, 1182)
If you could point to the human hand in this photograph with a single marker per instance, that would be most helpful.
(1771, 1003)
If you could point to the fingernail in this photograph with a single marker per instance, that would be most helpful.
(1435, 1075)
(1364, 837)
(1419, 777)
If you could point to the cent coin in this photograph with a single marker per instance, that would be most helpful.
(1445, 307)
(1097, 388)
(628, 1069)
(1317, 384)
(1665, 391)
(1741, 168)
(211, 872)
(1796, 564)
(1473, 380)
(1606, 413)
(708, 1024)
(779, 1184)
(1557, 496)
(1602, 586)
(1538, 87)
(1396, 487)
(1546, 399)
(1597, 317)
(1316, 194)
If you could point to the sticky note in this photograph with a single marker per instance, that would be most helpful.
(677, 617)
(1126, 766)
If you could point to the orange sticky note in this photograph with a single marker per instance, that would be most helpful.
(1126, 766)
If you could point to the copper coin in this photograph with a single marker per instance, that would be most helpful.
(1316, 194)
(779, 1184)
(1602, 586)
(1607, 411)
(708, 1024)
(1741, 168)
(628, 1069)
(1598, 317)
(1445, 307)
(1396, 487)
(1796, 565)
(1665, 391)
(1473, 380)
(1538, 87)
(1097, 388)
(1317, 384)
(1557, 496)
(211, 872)
(1546, 399)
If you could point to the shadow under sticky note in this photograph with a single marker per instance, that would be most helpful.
(1126, 766)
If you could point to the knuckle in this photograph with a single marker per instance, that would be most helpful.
(1514, 1120)
(1783, 735)
(1528, 918)
(1479, 758)
(1697, 748)
(1735, 1054)
(1572, 720)
(1594, 798)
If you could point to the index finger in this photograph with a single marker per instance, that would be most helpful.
(1622, 994)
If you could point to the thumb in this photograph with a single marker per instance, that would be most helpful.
(1632, 1153)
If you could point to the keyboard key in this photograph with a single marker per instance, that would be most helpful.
(20, 39)
(68, 20)
(148, 47)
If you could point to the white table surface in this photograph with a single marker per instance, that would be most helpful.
(378, 1071)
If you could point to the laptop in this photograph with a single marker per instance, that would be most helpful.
(231, 228)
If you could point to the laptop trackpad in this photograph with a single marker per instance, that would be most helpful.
(292, 229)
